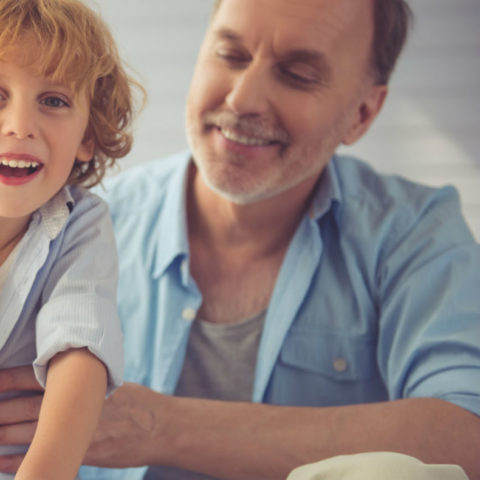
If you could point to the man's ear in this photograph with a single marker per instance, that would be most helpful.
(366, 113)
(85, 150)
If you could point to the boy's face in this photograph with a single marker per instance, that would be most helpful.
(42, 128)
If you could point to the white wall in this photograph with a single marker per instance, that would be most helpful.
(428, 131)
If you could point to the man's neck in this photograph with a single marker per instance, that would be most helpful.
(237, 250)
(254, 229)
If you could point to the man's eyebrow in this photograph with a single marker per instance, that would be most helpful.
(227, 34)
(314, 57)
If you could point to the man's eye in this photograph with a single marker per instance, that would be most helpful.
(298, 78)
(300, 75)
(54, 102)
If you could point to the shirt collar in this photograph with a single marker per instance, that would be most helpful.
(327, 193)
(54, 214)
(172, 227)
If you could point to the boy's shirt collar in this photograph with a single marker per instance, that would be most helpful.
(54, 214)
(32, 251)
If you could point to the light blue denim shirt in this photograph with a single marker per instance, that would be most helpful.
(378, 296)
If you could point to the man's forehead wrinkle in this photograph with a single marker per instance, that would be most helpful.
(309, 30)
(293, 53)
(313, 16)
(299, 49)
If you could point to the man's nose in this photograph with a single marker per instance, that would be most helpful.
(17, 120)
(249, 93)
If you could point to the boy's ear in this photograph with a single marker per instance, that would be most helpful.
(366, 113)
(86, 150)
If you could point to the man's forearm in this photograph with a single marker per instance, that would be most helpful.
(241, 440)
(238, 441)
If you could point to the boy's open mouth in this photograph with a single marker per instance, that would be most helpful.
(18, 168)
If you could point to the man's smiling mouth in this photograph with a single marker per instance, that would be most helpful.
(247, 131)
(251, 141)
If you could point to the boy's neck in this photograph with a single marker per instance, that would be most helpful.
(11, 232)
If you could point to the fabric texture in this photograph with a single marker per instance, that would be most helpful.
(220, 360)
(5, 267)
(377, 298)
(60, 291)
(376, 466)
(219, 364)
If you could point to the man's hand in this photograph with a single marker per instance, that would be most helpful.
(18, 416)
(125, 431)
(122, 436)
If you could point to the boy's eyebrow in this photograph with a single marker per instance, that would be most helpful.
(54, 85)
(304, 55)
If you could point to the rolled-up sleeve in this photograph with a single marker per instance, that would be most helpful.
(430, 316)
(79, 307)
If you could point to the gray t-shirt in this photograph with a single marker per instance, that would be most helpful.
(219, 364)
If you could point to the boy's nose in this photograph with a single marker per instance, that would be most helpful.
(17, 121)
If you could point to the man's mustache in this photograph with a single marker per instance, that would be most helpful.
(249, 125)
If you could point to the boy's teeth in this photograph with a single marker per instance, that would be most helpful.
(18, 163)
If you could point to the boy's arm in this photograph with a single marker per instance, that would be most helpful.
(74, 395)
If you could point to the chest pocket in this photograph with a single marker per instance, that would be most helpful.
(320, 368)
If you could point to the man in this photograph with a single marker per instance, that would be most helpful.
(343, 303)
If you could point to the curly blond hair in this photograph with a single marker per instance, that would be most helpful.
(77, 49)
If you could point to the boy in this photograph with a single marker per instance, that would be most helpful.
(65, 105)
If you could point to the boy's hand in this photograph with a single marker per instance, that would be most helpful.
(18, 416)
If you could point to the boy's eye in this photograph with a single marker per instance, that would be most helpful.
(54, 101)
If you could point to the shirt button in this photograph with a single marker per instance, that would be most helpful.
(340, 365)
(189, 313)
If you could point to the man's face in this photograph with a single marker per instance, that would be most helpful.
(277, 86)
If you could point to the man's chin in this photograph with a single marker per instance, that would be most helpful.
(242, 196)
(237, 198)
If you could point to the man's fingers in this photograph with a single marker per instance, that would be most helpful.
(19, 410)
(18, 434)
(10, 463)
(18, 378)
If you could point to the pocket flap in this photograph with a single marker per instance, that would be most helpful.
(342, 357)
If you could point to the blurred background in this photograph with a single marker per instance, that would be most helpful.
(428, 131)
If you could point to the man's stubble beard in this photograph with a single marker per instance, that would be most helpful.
(263, 188)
